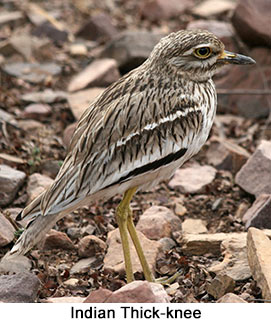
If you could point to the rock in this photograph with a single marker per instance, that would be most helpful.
(90, 246)
(98, 296)
(131, 48)
(223, 30)
(259, 259)
(224, 154)
(99, 28)
(230, 298)
(180, 209)
(15, 264)
(30, 125)
(6, 231)
(158, 222)
(209, 8)
(167, 243)
(81, 100)
(193, 178)
(46, 29)
(139, 292)
(220, 285)
(252, 22)
(57, 240)
(72, 282)
(157, 10)
(7, 17)
(78, 50)
(36, 184)
(19, 288)
(51, 167)
(255, 176)
(83, 265)
(37, 111)
(46, 96)
(7, 117)
(11, 159)
(65, 299)
(235, 264)
(10, 182)
(68, 133)
(114, 260)
(32, 72)
(259, 215)
(101, 72)
(194, 226)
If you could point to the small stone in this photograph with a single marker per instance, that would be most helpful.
(74, 233)
(99, 28)
(32, 72)
(209, 8)
(139, 292)
(220, 285)
(255, 176)
(46, 96)
(235, 263)
(157, 10)
(81, 100)
(193, 178)
(180, 209)
(259, 259)
(230, 298)
(101, 72)
(252, 23)
(259, 215)
(98, 296)
(50, 168)
(37, 111)
(19, 288)
(78, 50)
(224, 154)
(57, 240)
(7, 17)
(114, 259)
(65, 299)
(6, 231)
(36, 184)
(158, 222)
(68, 133)
(194, 226)
(46, 29)
(167, 243)
(72, 282)
(10, 182)
(83, 265)
(30, 125)
(15, 264)
(90, 246)
(131, 48)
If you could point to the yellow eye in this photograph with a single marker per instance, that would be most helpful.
(203, 52)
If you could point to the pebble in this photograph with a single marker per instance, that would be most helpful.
(259, 259)
(46, 96)
(78, 50)
(209, 8)
(255, 176)
(91, 245)
(167, 243)
(158, 222)
(37, 111)
(194, 226)
(36, 185)
(10, 182)
(193, 178)
(230, 298)
(15, 264)
(30, 125)
(72, 282)
(57, 240)
(83, 265)
(114, 260)
(220, 285)
(6, 231)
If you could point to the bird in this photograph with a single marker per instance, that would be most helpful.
(137, 133)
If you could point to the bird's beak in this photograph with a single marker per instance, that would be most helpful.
(232, 58)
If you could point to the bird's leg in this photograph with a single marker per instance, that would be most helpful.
(132, 230)
(121, 216)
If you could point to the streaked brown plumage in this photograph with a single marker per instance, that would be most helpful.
(137, 132)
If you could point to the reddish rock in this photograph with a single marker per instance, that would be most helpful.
(139, 292)
(90, 246)
(99, 28)
(57, 240)
(6, 231)
(157, 10)
(98, 296)
(36, 184)
(37, 111)
(259, 215)
(158, 222)
(193, 178)
(251, 20)
(224, 154)
(101, 72)
(255, 176)
(68, 133)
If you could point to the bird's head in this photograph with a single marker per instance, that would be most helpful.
(196, 54)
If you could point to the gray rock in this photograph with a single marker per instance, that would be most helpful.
(10, 182)
(230, 298)
(6, 231)
(83, 265)
(46, 96)
(7, 17)
(37, 183)
(167, 243)
(220, 285)
(259, 214)
(19, 288)
(15, 265)
(255, 176)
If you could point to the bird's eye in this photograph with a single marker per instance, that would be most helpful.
(203, 52)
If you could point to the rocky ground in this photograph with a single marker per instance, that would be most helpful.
(55, 58)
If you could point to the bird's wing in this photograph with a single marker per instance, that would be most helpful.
(135, 126)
